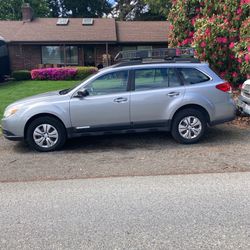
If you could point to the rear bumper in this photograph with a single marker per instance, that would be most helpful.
(224, 112)
(213, 123)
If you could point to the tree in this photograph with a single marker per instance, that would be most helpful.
(160, 7)
(139, 10)
(213, 28)
(11, 9)
(128, 9)
(85, 8)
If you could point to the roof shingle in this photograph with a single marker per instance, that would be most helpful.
(103, 30)
(142, 31)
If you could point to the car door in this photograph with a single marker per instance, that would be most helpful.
(156, 90)
(107, 105)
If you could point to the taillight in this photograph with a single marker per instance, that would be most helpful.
(225, 87)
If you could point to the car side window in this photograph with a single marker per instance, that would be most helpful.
(193, 76)
(146, 79)
(173, 78)
(115, 82)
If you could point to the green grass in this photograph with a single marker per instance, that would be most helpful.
(15, 90)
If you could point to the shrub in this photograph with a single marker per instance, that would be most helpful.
(213, 28)
(21, 75)
(54, 74)
(83, 72)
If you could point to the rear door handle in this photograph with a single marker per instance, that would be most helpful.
(173, 94)
(120, 99)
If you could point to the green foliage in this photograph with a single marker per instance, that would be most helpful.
(79, 8)
(160, 7)
(83, 72)
(141, 9)
(11, 9)
(21, 75)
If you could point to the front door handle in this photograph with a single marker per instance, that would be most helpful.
(120, 99)
(173, 94)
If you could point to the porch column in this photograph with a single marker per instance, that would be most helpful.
(107, 53)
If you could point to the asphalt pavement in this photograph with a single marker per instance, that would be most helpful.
(225, 148)
(203, 211)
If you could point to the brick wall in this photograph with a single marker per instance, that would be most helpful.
(29, 56)
(24, 56)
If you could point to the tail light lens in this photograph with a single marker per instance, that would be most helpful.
(225, 87)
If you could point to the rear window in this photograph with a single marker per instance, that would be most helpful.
(193, 76)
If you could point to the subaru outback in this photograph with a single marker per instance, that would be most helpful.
(177, 94)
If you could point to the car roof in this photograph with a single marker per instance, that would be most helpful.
(158, 64)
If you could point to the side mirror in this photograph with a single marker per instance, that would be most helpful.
(82, 93)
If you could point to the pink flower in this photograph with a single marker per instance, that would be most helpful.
(185, 42)
(193, 21)
(221, 39)
(231, 46)
(222, 74)
(207, 32)
(248, 48)
(235, 74)
(239, 11)
(203, 44)
(191, 34)
(197, 10)
(247, 58)
(231, 56)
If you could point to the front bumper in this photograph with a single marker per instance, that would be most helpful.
(12, 128)
(10, 136)
(243, 105)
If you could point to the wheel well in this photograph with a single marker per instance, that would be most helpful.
(38, 116)
(194, 106)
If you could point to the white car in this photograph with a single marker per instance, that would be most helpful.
(244, 99)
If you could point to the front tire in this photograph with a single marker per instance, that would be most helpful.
(189, 126)
(46, 134)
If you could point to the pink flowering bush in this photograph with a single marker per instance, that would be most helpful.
(219, 31)
(242, 48)
(54, 74)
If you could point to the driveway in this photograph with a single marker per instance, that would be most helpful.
(224, 149)
(206, 211)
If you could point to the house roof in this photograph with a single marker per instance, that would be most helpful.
(142, 31)
(102, 30)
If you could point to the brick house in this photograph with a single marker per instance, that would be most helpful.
(46, 42)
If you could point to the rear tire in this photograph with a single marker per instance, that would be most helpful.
(189, 126)
(46, 134)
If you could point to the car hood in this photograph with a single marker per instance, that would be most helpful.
(37, 98)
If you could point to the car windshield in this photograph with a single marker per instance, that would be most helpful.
(66, 91)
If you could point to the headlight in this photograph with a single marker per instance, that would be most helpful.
(10, 111)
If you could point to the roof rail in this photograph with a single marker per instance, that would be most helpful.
(165, 54)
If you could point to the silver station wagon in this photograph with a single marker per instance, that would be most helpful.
(156, 90)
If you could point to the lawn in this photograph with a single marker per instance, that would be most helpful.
(13, 91)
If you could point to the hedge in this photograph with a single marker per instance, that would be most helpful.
(21, 75)
(83, 72)
(67, 73)
(54, 74)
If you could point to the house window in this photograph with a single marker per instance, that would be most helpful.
(60, 55)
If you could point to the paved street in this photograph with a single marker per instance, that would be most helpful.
(224, 149)
(208, 211)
